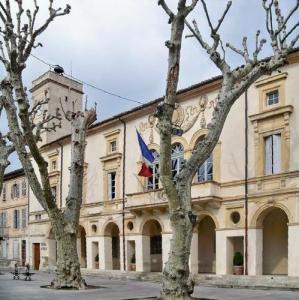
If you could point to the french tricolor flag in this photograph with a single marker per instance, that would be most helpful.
(148, 158)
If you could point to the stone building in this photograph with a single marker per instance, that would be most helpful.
(14, 219)
(124, 218)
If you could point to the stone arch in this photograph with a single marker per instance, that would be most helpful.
(180, 140)
(112, 246)
(206, 229)
(196, 136)
(204, 214)
(140, 229)
(274, 223)
(102, 229)
(152, 242)
(261, 213)
(110, 228)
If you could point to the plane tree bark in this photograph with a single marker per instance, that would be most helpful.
(25, 132)
(177, 282)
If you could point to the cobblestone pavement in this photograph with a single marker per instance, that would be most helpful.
(122, 289)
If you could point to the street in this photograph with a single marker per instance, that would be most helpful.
(112, 289)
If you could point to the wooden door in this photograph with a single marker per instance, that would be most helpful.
(36, 256)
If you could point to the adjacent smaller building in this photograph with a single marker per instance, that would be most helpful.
(14, 219)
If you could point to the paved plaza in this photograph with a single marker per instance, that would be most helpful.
(113, 289)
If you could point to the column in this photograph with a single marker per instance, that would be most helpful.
(255, 251)
(105, 253)
(89, 256)
(221, 253)
(193, 261)
(293, 252)
(139, 253)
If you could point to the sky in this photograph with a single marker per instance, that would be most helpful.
(118, 45)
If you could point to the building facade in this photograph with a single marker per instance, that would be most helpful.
(124, 222)
(14, 219)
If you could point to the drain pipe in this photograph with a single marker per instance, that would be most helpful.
(61, 173)
(124, 189)
(246, 183)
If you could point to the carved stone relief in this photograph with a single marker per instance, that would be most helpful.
(183, 117)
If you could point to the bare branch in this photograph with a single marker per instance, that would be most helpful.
(166, 9)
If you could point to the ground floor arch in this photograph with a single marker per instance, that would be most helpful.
(206, 245)
(81, 248)
(112, 247)
(275, 242)
(152, 246)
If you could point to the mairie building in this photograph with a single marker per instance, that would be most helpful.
(124, 223)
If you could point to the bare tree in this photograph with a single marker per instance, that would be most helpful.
(177, 283)
(20, 35)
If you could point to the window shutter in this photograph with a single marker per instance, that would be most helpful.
(4, 219)
(268, 155)
(109, 186)
(4, 248)
(14, 219)
(1, 220)
(276, 153)
(23, 217)
(12, 192)
(18, 220)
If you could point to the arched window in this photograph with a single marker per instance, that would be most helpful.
(205, 171)
(153, 181)
(177, 158)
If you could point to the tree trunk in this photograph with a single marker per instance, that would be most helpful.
(176, 282)
(68, 274)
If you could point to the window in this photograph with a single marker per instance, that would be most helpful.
(273, 154)
(205, 171)
(54, 192)
(3, 219)
(16, 249)
(113, 146)
(4, 192)
(272, 97)
(24, 218)
(153, 181)
(156, 244)
(15, 191)
(16, 219)
(177, 159)
(111, 185)
(24, 188)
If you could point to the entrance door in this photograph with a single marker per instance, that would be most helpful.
(36, 256)
(23, 253)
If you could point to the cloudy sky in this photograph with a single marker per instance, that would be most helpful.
(118, 45)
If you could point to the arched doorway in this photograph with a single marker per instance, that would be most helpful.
(52, 249)
(206, 245)
(112, 247)
(152, 234)
(275, 242)
(81, 246)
